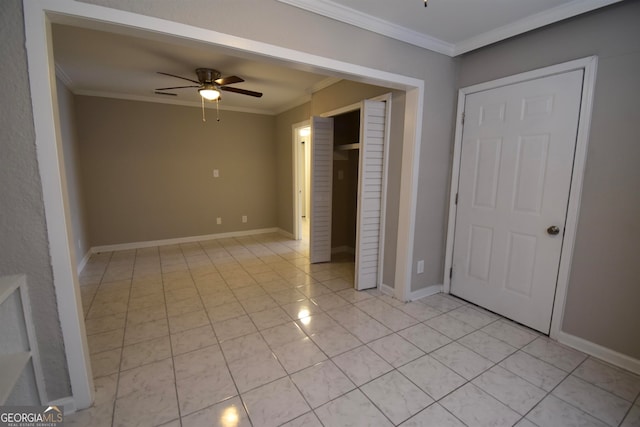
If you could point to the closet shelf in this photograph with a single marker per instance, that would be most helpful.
(345, 147)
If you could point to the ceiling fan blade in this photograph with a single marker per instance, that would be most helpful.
(229, 80)
(175, 87)
(166, 93)
(241, 91)
(179, 77)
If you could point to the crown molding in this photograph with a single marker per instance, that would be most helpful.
(63, 76)
(142, 98)
(362, 20)
(293, 104)
(325, 83)
(371, 23)
(558, 13)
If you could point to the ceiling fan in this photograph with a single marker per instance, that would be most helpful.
(209, 84)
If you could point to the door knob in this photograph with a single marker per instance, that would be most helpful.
(553, 230)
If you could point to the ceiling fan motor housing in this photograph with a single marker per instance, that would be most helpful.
(207, 75)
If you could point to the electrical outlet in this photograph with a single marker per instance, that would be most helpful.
(218, 220)
(420, 267)
(216, 173)
(244, 218)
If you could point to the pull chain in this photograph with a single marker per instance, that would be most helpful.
(218, 109)
(204, 119)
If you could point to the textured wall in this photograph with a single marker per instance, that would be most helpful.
(70, 147)
(604, 286)
(147, 170)
(24, 246)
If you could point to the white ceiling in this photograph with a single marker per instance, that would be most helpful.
(451, 27)
(113, 64)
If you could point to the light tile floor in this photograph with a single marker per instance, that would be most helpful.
(245, 331)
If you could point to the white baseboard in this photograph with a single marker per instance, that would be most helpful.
(68, 404)
(285, 233)
(596, 350)
(84, 261)
(386, 289)
(425, 292)
(179, 240)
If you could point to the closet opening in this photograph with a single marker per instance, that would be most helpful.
(346, 158)
(348, 188)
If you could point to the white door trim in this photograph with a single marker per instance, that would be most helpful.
(38, 17)
(297, 233)
(589, 65)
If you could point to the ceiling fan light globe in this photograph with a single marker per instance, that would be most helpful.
(209, 94)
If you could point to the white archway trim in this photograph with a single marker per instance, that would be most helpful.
(38, 17)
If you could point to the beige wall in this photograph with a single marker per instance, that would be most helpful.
(70, 148)
(147, 170)
(284, 153)
(604, 286)
(24, 245)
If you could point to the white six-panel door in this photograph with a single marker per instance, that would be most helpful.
(370, 183)
(517, 154)
(321, 189)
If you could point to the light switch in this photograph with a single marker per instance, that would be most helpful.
(216, 173)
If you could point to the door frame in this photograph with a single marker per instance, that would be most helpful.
(38, 16)
(297, 232)
(589, 65)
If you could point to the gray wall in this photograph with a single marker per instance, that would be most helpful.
(24, 246)
(147, 170)
(604, 287)
(70, 148)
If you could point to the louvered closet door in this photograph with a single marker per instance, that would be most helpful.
(321, 189)
(371, 179)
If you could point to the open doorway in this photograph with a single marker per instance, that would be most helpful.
(38, 17)
(301, 179)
